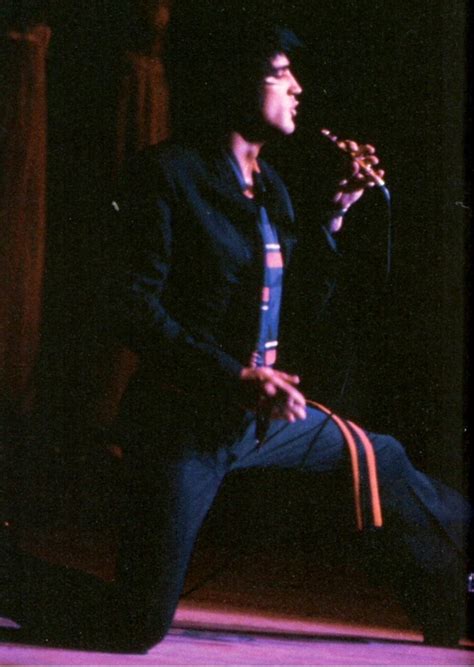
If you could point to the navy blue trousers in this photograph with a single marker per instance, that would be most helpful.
(423, 536)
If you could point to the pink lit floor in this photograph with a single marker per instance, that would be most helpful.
(255, 611)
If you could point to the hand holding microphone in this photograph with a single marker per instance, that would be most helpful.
(364, 175)
(363, 158)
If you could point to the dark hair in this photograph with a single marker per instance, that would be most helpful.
(216, 62)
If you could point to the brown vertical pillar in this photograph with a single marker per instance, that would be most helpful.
(22, 212)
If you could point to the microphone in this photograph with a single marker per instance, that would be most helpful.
(355, 154)
(262, 423)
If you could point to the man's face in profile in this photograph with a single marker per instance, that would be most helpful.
(279, 96)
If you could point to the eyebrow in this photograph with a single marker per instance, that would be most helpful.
(278, 70)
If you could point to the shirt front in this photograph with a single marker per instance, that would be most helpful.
(265, 353)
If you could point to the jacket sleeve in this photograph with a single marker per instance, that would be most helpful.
(147, 210)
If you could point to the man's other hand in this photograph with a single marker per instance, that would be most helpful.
(274, 393)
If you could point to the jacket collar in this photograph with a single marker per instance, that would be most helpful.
(225, 182)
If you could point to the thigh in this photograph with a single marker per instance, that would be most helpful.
(388, 489)
(313, 444)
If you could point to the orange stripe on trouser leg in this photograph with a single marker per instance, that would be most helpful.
(350, 442)
(266, 294)
(372, 469)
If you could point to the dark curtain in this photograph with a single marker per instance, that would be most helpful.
(23, 112)
(61, 377)
(143, 119)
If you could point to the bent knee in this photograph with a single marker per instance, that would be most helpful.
(391, 457)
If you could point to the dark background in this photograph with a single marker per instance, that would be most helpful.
(386, 72)
(395, 75)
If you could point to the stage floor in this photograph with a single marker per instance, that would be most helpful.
(261, 606)
(211, 635)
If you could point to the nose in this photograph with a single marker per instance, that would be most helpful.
(295, 86)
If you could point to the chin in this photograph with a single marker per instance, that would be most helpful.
(288, 129)
(283, 128)
(289, 126)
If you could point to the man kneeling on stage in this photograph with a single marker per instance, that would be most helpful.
(211, 239)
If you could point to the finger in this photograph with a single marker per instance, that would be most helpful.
(282, 380)
(367, 162)
(298, 406)
(292, 379)
(290, 393)
(269, 389)
(337, 199)
(371, 174)
(356, 149)
(356, 167)
(346, 145)
(298, 411)
(277, 385)
(353, 146)
(349, 145)
(371, 159)
(296, 400)
(365, 149)
(287, 413)
(271, 373)
(294, 394)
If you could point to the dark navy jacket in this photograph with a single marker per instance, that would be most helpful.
(190, 304)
